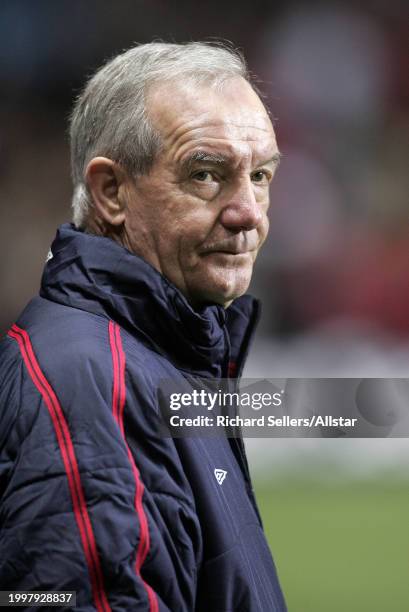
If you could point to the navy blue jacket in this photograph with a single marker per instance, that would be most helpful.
(92, 499)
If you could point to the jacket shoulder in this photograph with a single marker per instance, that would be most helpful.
(75, 351)
(71, 337)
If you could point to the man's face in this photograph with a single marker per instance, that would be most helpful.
(200, 215)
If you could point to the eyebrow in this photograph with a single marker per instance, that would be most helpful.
(216, 158)
(204, 156)
(277, 157)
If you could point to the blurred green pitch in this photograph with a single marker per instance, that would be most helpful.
(341, 547)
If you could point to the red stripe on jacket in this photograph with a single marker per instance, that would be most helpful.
(70, 465)
(118, 404)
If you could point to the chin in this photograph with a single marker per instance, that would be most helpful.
(222, 289)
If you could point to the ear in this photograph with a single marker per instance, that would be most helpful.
(104, 179)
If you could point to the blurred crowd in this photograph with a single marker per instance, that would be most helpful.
(336, 78)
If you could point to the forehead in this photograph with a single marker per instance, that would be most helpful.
(231, 120)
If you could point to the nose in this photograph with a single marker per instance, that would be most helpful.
(242, 211)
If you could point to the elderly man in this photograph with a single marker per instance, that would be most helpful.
(172, 156)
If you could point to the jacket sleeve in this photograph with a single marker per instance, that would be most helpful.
(75, 511)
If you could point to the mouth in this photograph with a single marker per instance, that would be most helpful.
(228, 253)
(233, 248)
(230, 259)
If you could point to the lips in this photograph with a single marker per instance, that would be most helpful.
(239, 245)
(225, 252)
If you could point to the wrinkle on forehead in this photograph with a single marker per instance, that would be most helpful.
(233, 120)
(227, 119)
(241, 142)
(232, 138)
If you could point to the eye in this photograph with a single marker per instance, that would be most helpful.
(261, 176)
(204, 176)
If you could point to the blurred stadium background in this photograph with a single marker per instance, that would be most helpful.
(333, 277)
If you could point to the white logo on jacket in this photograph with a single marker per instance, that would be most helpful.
(220, 475)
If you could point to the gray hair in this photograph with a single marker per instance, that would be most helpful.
(110, 117)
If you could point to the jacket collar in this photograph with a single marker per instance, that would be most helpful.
(97, 275)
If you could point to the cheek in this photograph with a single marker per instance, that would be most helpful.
(264, 227)
(194, 228)
(180, 239)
